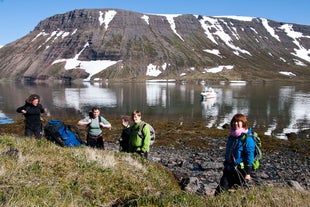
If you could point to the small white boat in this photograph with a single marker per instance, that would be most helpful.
(208, 92)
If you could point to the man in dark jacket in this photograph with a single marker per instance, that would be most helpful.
(32, 111)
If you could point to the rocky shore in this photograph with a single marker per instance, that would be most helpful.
(199, 171)
(196, 159)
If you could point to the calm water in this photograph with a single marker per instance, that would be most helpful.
(278, 109)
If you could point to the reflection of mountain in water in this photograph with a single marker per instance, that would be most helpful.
(90, 95)
(4, 119)
(297, 106)
(157, 93)
(272, 108)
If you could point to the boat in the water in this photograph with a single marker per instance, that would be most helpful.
(208, 92)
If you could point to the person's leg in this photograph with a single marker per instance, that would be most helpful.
(38, 132)
(100, 143)
(226, 181)
(28, 132)
(91, 142)
(224, 184)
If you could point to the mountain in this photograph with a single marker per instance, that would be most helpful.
(119, 44)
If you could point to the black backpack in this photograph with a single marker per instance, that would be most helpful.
(63, 134)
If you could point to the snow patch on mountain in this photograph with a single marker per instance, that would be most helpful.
(92, 67)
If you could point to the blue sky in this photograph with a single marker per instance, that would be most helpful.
(19, 17)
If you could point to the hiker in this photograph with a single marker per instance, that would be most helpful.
(124, 139)
(139, 143)
(239, 155)
(32, 110)
(95, 124)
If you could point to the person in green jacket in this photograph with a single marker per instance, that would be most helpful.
(140, 136)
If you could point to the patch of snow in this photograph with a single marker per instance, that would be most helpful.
(301, 52)
(108, 16)
(300, 63)
(214, 52)
(153, 70)
(287, 73)
(253, 30)
(170, 18)
(219, 68)
(183, 74)
(38, 35)
(65, 34)
(160, 80)
(92, 67)
(210, 24)
(164, 66)
(240, 18)
(146, 18)
(206, 28)
(269, 29)
(74, 32)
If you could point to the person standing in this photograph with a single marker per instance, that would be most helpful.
(124, 139)
(95, 123)
(239, 155)
(32, 110)
(139, 143)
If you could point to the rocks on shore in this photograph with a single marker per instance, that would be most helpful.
(199, 171)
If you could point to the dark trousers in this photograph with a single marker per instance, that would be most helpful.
(36, 131)
(95, 141)
(233, 177)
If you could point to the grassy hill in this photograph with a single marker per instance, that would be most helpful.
(40, 173)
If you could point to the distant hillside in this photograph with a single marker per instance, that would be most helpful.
(118, 44)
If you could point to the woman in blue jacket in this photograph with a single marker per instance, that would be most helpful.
(239, 155)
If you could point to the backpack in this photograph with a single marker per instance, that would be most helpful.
(258, 155)
(152, 131)
(63, 134)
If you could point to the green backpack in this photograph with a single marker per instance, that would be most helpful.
(152, 131)
(258, 155)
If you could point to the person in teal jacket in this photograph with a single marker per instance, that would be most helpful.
(239, 155)
(95, 123)
(139, 143)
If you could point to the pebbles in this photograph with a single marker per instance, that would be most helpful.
(199, 170)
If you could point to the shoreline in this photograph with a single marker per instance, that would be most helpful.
(199, 171)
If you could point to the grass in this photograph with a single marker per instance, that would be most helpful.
(40, 173)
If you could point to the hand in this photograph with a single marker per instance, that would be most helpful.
(23, 111)
(247, 178)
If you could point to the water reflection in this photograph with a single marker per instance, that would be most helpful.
(275, 108)
(158, 93)
(78, 98)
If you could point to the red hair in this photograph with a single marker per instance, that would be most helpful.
(237, 118)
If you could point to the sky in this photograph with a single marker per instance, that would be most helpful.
(19, 17)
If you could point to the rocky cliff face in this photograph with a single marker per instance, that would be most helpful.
(119, 44)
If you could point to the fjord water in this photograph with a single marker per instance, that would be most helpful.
(276, 108)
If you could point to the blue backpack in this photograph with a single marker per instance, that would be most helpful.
(63, 134)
